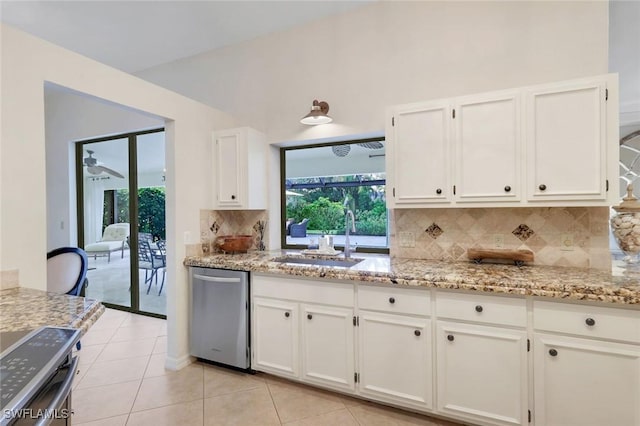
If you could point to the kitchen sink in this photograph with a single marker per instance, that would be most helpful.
(335, 263)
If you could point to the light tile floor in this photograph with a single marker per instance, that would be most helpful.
(122, 381)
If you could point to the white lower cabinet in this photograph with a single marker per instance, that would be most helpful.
(275, 336)
(475, 366)
(298, 333)
(395, 361)
(482, 373)
(591, 378)
(585, 382)
(328, 346)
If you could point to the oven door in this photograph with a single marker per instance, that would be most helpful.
(52, 403)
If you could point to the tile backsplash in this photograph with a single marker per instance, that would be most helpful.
(558, 236)
(446, 234)
(214, 223)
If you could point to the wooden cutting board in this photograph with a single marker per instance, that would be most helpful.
(517, 256)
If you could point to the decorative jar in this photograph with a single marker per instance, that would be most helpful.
(625, 226)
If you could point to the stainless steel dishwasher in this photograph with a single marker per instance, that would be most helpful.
(220, 316)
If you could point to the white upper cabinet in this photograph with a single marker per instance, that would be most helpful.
(240, 165)
(419, 154)
(549, 145)
(487, 146)
(567, 141)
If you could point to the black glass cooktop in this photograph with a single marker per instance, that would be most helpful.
(30, 360)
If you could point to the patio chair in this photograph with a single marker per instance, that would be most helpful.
(288, 224)
(162, 252)
(298, 230)
(150, 263)
(113, 239)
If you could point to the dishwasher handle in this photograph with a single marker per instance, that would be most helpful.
(216, 279)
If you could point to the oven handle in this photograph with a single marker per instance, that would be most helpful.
(216, 279)
(62, 393)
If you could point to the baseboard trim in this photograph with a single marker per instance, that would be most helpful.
(176, 364)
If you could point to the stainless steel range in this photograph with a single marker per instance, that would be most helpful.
(36, 374)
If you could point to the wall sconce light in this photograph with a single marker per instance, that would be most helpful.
(164, 175)
(318, 114)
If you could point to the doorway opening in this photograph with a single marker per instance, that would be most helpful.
(121, 219)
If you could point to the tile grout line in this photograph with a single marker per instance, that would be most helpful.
(141, 380)
(273, 402)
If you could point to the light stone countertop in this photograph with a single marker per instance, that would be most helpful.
(27, 309)
(621, 286)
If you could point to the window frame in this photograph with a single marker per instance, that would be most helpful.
(283, 197)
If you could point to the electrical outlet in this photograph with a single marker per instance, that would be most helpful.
(498, 240)
(566, 242)
(406, 239)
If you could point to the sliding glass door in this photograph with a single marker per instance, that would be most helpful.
(151, 222)
(121, 217)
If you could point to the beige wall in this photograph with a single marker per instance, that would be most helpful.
(27, 63)
(70, 117)
(389, 53)
(392, 52)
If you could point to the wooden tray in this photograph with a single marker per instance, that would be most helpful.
(519, 257)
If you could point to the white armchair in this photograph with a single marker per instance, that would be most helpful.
(114, 238)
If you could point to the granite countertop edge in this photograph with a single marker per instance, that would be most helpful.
(24, 308)
(548, 282)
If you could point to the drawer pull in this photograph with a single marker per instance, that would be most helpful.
(553, 352)
(590, 322)
(309, 316)
(286, 314)
(478, 308)
(450, 338)
(507, 188)
(417, 333)
(392, 300)
(438, 191)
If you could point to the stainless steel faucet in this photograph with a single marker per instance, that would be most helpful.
(347, 246)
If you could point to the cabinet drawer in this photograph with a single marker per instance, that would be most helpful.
(303, 290)
(393, 299)
(591, 321)
(484, 309)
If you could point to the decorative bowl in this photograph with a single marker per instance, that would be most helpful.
(234, 243)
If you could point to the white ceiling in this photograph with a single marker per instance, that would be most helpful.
(136, 35)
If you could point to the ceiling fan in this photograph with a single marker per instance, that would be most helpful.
(95, 169)
(343, 150)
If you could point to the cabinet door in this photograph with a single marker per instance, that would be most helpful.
(566, 142)
(487, 141)
(275, 337)
(395, 359)
(418, 157)
(327, 346)
(229, 168)
(482, 373)
(585, 382)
